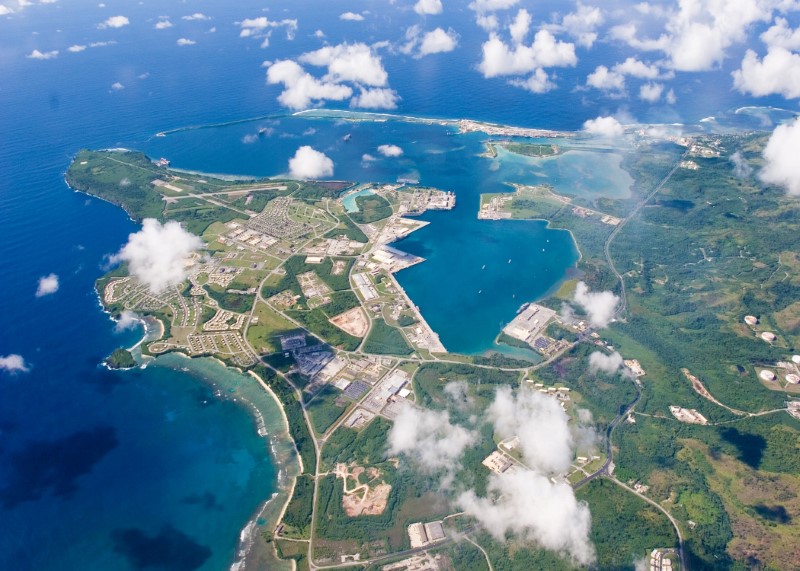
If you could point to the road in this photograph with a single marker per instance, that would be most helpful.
(607, 247)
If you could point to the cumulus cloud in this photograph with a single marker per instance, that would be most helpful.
(605, 79)
(537, 82)
(777, 73)
(301, 89)
(607, 127)
(651, 92)
(196, 16)
(76, 48)
(697, 35)
(527, 503)
(741, 168)
(609, 364)
(599, 306)
(520, 26)
(375, 98)
(500, 59)
(185, 42)
(782, 36)
(782, 168)
(163, 25)
(349, 62)
(114, 22)
(308, 163)
(117, 86)
(352, 17)
(127, 320)
(582, 23)
(428, 438)
(157, 254)
(529, 415)
(36, 54)
(47, 285)
(636, 68)
(390, 150)
(431, 7)
(13, 363)
(529, 506)
(438, 41)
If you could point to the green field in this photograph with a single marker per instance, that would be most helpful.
(383, 339)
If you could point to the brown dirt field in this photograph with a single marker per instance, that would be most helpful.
(367, 500)
(352, 321)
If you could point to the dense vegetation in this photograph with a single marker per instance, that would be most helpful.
(299, 510)
(121, 358)
(371, 208)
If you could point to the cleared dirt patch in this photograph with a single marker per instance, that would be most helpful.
(353, 321)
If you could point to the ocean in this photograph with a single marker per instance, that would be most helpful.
(158, 467)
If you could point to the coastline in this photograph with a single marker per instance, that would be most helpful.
(270, 423)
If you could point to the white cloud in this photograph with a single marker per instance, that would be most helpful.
(351, 17)
(438, 41)
(5, 10)
(349, 62)
(651, 92)
(582, 24)
(163, 25)
(428, 438)
(520, 26)
(157, 254)
(117, 86)
(301, 89)
(698, 33)
(532, 508)
(47, 285)
(741, 168)
(431, 7)
(610, 364)
(196, 16)
(13, 363)
(308, 163)
(782, 36)
(636, 68)
(777, 73)
(367, 158)
(782, 166)
(390, 150)
(375, 98)
(114, 22)
(500, 59)
(36, 54)
(488, 22)
(127, 320)
(538, 82)
(492, 5)
(526, 503)
(599, 306)
(76, 48)
(185, 42)
(606, 80)
(530, 415)
(261, 27)
(607, 127)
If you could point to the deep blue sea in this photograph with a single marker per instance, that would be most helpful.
(147, 469)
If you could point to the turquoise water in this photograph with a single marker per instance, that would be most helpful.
(349, 201)
(585, 173)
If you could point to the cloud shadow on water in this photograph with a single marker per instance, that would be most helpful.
(54, 465)
(170, 549)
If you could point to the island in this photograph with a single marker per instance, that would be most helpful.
(295, 283)
(120, 358)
